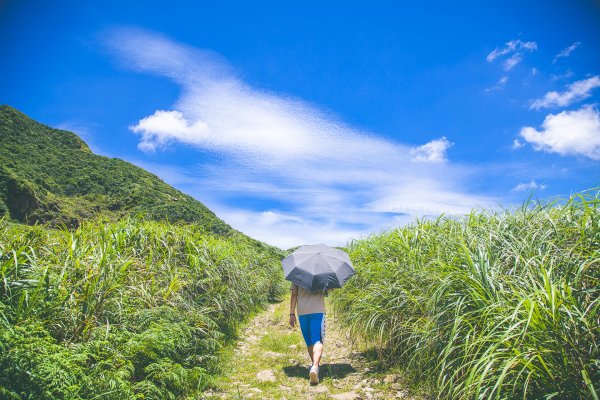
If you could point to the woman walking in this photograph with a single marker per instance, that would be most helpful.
(311, 316)
(313, 270)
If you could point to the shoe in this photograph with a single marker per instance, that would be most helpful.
(309, 367)
(314, 375)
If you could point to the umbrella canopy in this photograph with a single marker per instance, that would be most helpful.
(317, 267)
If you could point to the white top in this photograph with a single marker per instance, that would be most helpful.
(309, 302)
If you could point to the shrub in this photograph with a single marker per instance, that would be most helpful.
(127, 309)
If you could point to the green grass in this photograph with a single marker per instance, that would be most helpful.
(491, 306)
(133, 309)
(278, 344)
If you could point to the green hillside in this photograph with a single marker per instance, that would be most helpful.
(110, 298)
(51, 176)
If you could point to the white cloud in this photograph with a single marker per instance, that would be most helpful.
(432, 152)
(566, 52)
(164, 126)
(309, 176)
(517, 144)
(287, 231)
(438, 201)
(525, 186)
(514, 49)
(559, 77)
(499, 85)
(576, 91)
(568, 133)
(511, 62)
(511, 47)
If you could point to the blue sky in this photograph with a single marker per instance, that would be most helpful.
(307, 122)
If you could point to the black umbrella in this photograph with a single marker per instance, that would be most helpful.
(318, 267)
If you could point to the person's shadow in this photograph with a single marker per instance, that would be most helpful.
(333, 371)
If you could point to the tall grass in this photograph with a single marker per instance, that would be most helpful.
(132, 309)
(493, 306)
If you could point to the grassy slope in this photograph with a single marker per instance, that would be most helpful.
(133, 309)
(116, 310)
(492, 306)
(50, 175)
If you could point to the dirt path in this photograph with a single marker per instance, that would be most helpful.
(270, 362)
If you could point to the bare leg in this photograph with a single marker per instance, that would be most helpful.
(310, 352)
(316, 351)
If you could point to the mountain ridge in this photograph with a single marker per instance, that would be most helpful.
(51, 176)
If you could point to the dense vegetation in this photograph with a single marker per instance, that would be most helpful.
(51, 175)
(129, 309)
(493, 306)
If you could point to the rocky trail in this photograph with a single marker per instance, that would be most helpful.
(270, 362)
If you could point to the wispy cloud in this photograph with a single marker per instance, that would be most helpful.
(517, 144)
(576, 91)
(440, 202)
(559, 77)
(566, 52)
(499, 85)
(287, 230)
(568, 133)
(86, 132)
(512, 61)
(512, 52)
(432, 152)
(82, 130)
(525, 186)
(307, 175)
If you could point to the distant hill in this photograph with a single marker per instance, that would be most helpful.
(51, 176)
